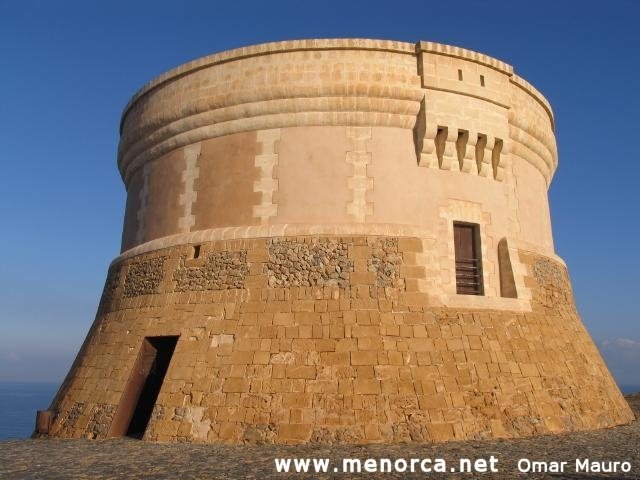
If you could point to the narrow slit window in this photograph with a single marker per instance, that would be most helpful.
(507, 282)
(459, 74)
(482, 80)
(468, 259)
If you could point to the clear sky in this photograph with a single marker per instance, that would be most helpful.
(67, 68)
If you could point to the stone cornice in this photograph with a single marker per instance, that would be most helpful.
(463, 53)
(266, 49)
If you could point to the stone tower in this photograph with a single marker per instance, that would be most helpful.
(337, 241)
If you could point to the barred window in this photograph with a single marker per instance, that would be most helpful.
(468, 259)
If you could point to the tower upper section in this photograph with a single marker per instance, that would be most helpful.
(335, 136)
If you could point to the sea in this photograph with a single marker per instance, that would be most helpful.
(19, 402)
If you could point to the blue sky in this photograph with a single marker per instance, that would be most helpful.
(67, 69)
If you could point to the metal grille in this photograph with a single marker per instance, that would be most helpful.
(468, 276)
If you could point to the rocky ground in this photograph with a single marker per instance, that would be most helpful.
(127, 458)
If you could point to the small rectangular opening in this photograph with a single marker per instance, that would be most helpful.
(482, 80)
(142, 389)
(468, 259)
(459, 74)
(196, 251)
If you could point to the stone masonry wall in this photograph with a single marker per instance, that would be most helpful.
(144, 277)
(221, 270)
(110, 286)
(312, 264)
(385, 261)
(298, 354)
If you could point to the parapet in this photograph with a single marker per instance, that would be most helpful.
(336, 82)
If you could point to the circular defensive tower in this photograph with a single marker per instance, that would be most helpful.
(337, 241)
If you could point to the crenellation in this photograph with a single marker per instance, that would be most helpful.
(467, 151)
(465, 146)
(484, 153)
(498, 160)
(446, 145)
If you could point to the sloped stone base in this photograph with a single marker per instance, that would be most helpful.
(327, 339)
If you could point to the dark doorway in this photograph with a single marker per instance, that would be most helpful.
(143, 387)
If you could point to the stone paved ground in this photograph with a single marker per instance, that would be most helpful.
(126, 458)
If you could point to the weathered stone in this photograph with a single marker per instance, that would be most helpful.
(385, 262)
(319, 264)
(144, 277)
(222, 270)
(111, 283)
(101, 418)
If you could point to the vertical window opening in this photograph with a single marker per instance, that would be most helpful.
(196, 251)
(507, 282)
(459, 74)
(482, 80)
(468, 259)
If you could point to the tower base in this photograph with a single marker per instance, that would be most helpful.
(328, 339)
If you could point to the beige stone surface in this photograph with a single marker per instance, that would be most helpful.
(315, 360)
(162, 208)
(321, 180)
(225, 184)
(312, 176)
(412, 105)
